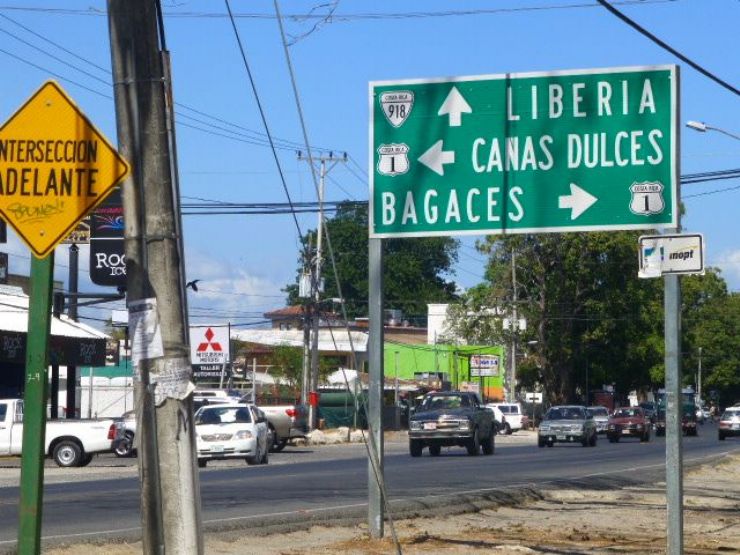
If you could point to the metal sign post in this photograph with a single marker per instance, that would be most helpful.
(34, 406)
(375, 508)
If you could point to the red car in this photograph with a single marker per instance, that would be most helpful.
(628, 422)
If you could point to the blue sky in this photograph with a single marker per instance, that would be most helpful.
(244, 261)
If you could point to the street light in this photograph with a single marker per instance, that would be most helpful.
(704, 127)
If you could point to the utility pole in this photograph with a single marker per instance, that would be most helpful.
(698, 381)
(316, 288)
(170, 503)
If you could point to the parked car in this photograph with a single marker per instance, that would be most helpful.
(285, 423)
(451, 418)
(601, 418)
(231, 431)
(68, 442)
(729, 423)
(628, 422)
(567, 424)
(514, 418)
(123, 445)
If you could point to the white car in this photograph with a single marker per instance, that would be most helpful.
(499, 418)
(231, 431)
(513, 417)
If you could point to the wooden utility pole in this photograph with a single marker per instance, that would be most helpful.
(170, 503)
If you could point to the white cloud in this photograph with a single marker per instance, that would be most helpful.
(729, 263)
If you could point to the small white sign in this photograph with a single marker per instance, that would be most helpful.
(671, 254)
(484, 365)
(533, 397)
(146, 333)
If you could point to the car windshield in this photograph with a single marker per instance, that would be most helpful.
(223, 415)
(598, 411)
(438, 402)
(730, 414)
(626, 413)
(565, 413)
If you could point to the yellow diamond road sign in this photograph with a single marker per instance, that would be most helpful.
(54, 168)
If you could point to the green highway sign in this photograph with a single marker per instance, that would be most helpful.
(581, 150)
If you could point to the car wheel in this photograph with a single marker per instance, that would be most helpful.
(721, 436)
(435, 450)
(541, 442)
(67, 454)
(507, 429)
(85, 460)
(265, 457)
(279, 444)
(585, 441)
(473, 446)
(594, 437)
(489, 445)
(202, 463)
(415, 447)
(551, 444)
(256, 458)
(125, 447)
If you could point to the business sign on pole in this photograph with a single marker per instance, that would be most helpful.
(209, 351)
(484, 365)
(107, 248)
(54, 168)
(583, 150)
(671, 254)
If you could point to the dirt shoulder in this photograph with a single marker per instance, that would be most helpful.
(626, 520)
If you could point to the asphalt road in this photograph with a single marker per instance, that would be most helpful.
(305, 483)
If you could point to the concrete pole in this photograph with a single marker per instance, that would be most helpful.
(316, 291)
(170, 505)
(375, 389)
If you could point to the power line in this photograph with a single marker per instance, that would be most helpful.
(667, 47)
(262, 116)
(92, 12)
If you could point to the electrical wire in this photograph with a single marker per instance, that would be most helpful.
(372, 448)
(667, 47)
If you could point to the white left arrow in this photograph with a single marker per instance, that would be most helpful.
(454, 106)
(578, 201)
(435, 158)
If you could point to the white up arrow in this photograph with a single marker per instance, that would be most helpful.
(578, 201)
(454, 105)
(435, 158)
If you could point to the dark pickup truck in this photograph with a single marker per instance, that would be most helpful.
(688, 421)
(451, 418)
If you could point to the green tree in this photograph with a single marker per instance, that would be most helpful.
(287, 363)
(586, 310)
(592, 316)
(414, 270)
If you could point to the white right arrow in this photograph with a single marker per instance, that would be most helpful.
(578, 201)
(435, 158)
(454, 105)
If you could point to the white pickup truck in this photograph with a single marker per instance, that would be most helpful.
(69, 442)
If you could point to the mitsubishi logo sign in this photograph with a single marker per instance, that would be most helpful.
(209, 345)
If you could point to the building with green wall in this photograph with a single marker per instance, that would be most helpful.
(412, 361)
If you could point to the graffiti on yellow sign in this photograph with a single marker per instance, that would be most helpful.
(54, 168)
